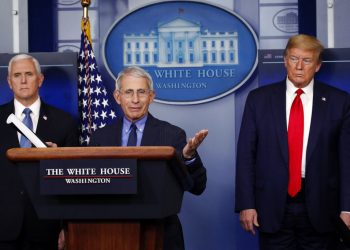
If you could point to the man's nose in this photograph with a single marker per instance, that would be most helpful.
(23, 78)
(300, 64)
(135, 97)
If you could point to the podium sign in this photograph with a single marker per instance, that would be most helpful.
(88, 176)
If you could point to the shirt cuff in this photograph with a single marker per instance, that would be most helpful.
(188, 161)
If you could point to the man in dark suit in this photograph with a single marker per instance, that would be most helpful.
(294, 190)
(134, 93)
(20, 228)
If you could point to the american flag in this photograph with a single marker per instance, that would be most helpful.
(95, 108)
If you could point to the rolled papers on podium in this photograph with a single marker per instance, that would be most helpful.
(26, 131)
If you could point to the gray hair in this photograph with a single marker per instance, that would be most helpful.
(136, 72)
(24, 57)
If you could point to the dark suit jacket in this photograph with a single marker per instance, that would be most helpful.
(54, 125)
(159, 133)
(262, 157)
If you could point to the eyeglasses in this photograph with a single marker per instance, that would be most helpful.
(295, 60)
(141, 93)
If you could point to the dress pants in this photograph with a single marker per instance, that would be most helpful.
(297, 232)
(173, 235)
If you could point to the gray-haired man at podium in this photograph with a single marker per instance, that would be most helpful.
(134, 93)
(20, 228)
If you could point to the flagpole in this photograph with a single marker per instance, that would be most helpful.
(85, 4)
(330, 23)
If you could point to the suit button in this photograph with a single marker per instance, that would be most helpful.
(21, 192)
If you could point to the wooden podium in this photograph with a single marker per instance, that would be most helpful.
(108, 221)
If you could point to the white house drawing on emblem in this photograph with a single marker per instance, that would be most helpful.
(180, 43)
(286, 20)
(289, 18)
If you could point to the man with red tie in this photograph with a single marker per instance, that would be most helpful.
(293, 156)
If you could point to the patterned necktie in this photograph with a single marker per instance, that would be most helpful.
(295, 144)
(24, 142)
(132, 135)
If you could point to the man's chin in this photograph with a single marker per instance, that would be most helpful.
(298, 82)
(134, 117)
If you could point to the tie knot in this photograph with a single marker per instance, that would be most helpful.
(133, 126)
(27, 111)
(299, 92)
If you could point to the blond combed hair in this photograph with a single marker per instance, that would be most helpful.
(305, 42)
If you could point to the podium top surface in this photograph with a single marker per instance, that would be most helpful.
(143, 152)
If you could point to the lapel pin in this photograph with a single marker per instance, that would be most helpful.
(324, 99)
(45, 117)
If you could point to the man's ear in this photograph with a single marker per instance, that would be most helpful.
(116, 95)
(153, 95)
(41, 77)
(9, 82)
(285, 61)
(318, 66)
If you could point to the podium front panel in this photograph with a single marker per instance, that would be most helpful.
(159, 194)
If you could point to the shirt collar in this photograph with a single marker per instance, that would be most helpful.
(140, 124)
(291, 89)
(35, 107)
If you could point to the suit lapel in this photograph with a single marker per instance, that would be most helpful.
(148, 138)
(278, 108)
(43, 121)
(319, 107)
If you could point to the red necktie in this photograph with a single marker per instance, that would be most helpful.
(295, 144)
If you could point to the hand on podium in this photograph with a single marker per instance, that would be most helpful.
(51, 144)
